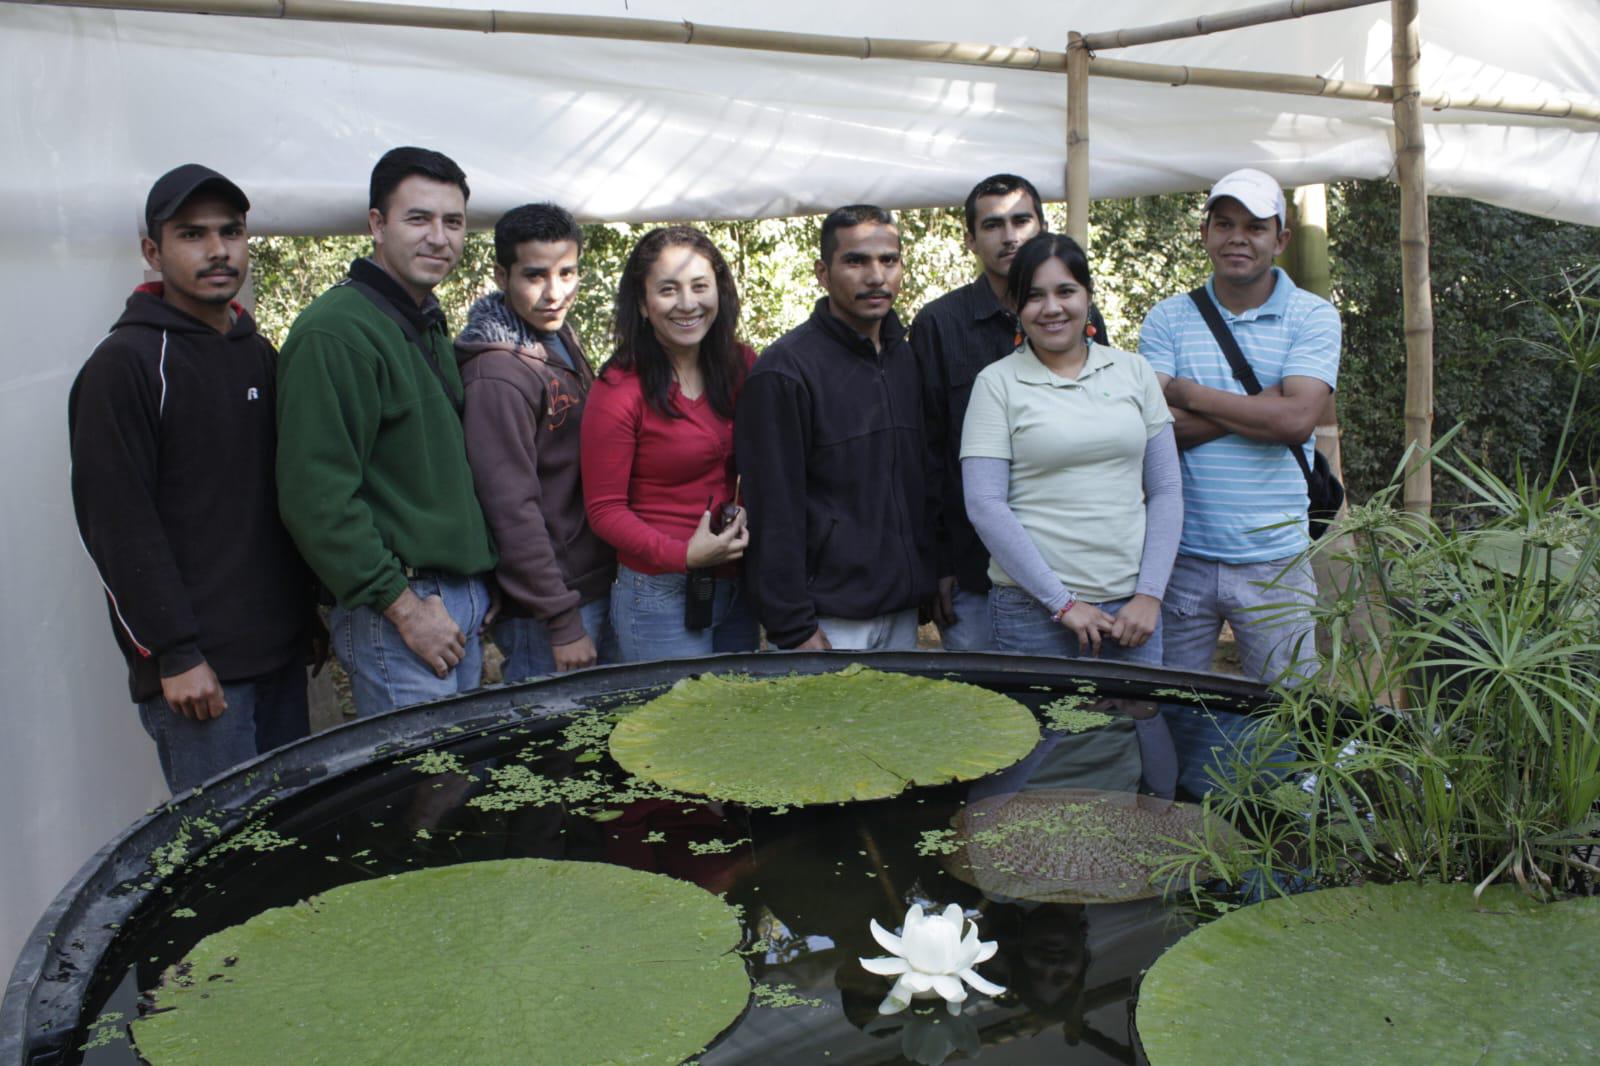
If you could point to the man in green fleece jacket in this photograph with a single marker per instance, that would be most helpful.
(373, 482)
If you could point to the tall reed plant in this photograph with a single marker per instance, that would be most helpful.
(1452, 730)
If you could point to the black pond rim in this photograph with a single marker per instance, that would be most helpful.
(44, 995)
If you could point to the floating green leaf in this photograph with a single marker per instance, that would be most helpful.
(517, 960)
(1067, 845)
(1381, 973)
(826, 738)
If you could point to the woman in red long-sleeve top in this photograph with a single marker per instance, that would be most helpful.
(657, 450)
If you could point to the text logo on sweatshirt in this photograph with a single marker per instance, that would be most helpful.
(252, 393)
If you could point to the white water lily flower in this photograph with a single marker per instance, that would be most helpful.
(931, 958)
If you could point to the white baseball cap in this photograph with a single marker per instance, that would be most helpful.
(1257, 191)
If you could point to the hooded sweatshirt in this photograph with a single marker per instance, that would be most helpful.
(173, 440)
(524, 404)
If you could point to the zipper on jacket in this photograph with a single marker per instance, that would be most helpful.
(894, 469)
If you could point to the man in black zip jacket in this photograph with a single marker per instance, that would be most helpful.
(173, 442)
(829, 441)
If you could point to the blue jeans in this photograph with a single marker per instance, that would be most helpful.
(1021, 624)
(973, 630)
(525, 642)
(263, 713)
(647, 617)
(1268, 606)
(384, 673)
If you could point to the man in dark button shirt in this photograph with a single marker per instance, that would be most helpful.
(954, 337)
(828, 437)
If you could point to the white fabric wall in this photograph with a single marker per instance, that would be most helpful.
(100, 103)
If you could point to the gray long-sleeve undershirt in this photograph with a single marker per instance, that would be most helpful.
(986, 484)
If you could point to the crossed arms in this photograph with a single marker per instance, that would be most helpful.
(1286, 413)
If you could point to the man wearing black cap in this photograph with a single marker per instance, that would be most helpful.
(173, 442)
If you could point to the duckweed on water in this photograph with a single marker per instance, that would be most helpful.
(780, 996)
(715, 846)
(106, 1030)
(514, 786)
(1067, 715)
(255, 837)
(434, 762)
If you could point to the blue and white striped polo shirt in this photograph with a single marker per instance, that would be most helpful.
(1233, 488)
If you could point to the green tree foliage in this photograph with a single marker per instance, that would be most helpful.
(771, 259)
(1487, 262)
(1144, 250)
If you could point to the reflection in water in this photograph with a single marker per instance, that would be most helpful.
(808, 882)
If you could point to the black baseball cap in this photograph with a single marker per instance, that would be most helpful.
(173, 189)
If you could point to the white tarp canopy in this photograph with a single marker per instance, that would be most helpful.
(101, 102)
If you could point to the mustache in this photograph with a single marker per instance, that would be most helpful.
(218, 272)
(870, 293)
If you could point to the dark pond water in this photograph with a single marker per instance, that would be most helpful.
(808, 882)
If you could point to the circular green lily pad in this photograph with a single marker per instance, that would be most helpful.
(1391, 973)
(1067, 845)
(518, 960)
(824, 738)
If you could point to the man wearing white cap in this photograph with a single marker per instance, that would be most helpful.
(1244, 493)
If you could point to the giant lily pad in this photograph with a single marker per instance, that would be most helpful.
(1066, 845)
(519, 960)
(827, 738)
(1397, 973)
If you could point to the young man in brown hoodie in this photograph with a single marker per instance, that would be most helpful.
(526, 380)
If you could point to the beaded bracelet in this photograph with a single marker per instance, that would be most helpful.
(1059, 615)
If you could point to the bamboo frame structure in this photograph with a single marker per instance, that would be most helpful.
(1335, 88)
(1416, 286)
(482, 20)
(1200, 25)
(1078, 140)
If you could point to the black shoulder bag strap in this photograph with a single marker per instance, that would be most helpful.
(409, 328)
(1243, 373)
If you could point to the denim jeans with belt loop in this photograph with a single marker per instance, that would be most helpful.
(384, 672)
(647, 618)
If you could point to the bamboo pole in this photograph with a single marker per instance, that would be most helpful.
(962, 54)
(1316, 85)
(1311, 267)
(1200, 25)
(483, 20)
(1416, 288)
(1078, 140)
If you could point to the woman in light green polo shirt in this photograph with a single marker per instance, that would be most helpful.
(1071, 475)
